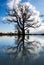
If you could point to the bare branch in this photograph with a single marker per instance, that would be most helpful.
(25, 15)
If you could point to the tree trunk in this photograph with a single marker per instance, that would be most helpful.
(23, 34)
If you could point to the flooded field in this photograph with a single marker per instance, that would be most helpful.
(16, 50)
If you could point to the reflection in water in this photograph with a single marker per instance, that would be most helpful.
(25, 51)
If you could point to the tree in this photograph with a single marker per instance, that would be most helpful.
(25, 15)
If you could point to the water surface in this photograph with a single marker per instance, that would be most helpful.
(12, 53)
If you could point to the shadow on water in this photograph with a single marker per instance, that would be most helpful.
(25, 51)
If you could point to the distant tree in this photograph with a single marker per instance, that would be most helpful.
(25, 15)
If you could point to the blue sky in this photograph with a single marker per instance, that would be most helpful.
(39, 4)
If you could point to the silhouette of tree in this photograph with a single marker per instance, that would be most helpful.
(25, 15)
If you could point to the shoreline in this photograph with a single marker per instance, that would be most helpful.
(16, 34)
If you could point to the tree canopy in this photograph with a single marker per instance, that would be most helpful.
(24, 14)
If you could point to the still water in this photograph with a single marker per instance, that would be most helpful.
(16, 51)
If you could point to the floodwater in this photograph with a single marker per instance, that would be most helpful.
(16, 50)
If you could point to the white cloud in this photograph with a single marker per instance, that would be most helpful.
(38, 30)
(12, 3)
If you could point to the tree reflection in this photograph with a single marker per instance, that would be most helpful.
(25, 50)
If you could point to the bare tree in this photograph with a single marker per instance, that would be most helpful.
(25, 15)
